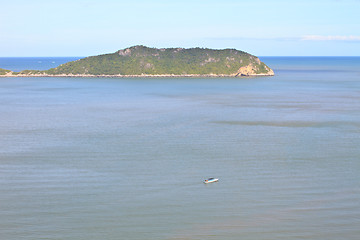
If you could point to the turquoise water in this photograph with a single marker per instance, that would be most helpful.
(97, 158)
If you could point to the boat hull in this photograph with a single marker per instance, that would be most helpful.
(211, 180)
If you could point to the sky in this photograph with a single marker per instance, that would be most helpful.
(261, 27)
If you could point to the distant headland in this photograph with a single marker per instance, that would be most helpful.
(141, 61)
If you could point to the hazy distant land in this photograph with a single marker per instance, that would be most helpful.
(141, 61)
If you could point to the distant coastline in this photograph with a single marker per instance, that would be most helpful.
(143, 62)
(134, 76)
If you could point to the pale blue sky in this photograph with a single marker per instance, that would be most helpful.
(260, 27)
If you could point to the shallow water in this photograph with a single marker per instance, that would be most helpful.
(84, 158)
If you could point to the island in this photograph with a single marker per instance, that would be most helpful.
(142, 61)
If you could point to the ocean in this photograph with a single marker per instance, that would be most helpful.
(107, 158)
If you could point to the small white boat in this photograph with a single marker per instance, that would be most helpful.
(211, 180)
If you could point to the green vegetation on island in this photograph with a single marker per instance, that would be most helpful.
(145, 61)
(4, 71)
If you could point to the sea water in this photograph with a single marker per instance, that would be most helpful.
(103, 158)
(17, 64)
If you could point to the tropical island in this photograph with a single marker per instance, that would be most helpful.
(141, 61)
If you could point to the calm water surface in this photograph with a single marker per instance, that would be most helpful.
(125, 158)
(33, 63)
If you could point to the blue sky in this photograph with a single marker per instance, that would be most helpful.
(260, 27)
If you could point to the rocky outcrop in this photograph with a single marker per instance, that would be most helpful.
(251, 70)
(125, 52)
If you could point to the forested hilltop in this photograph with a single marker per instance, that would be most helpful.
(145, 61)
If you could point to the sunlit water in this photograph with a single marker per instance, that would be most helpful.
(97, 158)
